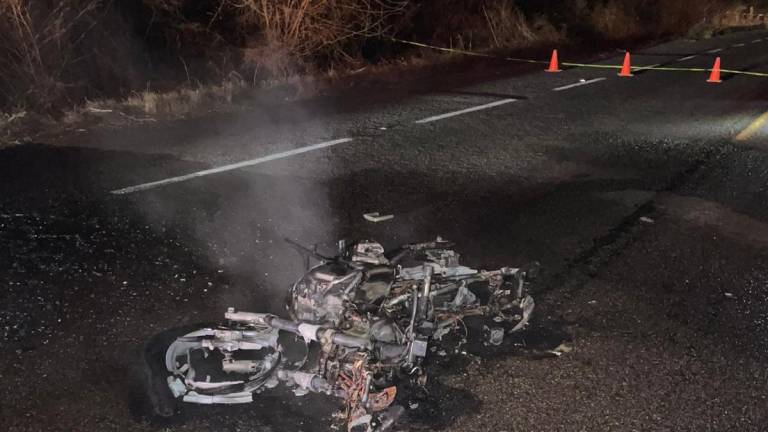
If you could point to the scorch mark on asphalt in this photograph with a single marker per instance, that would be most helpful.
(234, 166)
(578, 84)
(465, 111)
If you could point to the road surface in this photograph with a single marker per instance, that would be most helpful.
(647, 213)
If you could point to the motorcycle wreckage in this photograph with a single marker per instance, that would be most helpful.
(359, 323)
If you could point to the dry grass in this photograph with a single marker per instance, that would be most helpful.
(174, 103)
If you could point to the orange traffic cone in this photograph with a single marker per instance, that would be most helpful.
(714, 77)
(626, 69)
(553, 64)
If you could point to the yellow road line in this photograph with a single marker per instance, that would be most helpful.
(753, 128)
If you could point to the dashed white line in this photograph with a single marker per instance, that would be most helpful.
(739, 45)
(687, 58)
(757, 41)
(275, 156)
(716, 50)
(465, 111)
(578, 84)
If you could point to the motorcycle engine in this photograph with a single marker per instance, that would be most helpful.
(318, 297)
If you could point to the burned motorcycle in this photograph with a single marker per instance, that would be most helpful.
(358, 323)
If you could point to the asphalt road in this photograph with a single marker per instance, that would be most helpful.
(649, 218)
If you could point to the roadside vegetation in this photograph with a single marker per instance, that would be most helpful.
(170, 56)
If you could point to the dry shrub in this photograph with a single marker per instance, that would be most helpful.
(615, 20)
(677, 17)
(316, 31)
(39, 45)
(270, 62)
(507, 25)
(732, 18)
(172, 6)
(578, 9)
(619, 20)
(509, 28)
(546, 31)
(733, 14)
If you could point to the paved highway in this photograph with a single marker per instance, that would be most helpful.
(644, 198)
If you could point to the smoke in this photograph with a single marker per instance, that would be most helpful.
(238, 219)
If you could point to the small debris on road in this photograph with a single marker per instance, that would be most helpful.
(377, 217)
(646, 219)
(561, 349)
(494, 335)
(729, 295)
(98, 110)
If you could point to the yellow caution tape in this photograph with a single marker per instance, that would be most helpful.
(581, 65)
(469, 53)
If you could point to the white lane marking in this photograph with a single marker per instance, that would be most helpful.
(464, 111)
(757, 41)
(578, 84)
(275, 156)
(739, 45)
(687, 58)
(716, 50)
